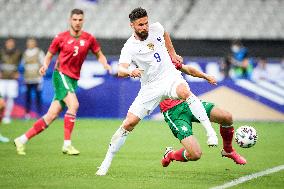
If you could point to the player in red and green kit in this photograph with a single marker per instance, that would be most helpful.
(179, 118)
(73, 47)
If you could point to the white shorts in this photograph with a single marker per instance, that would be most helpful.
(9, 88)
(151, 95)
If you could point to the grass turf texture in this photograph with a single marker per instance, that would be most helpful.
(137, 165)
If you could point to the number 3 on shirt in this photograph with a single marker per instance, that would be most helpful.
(157, 56)
(76, 50)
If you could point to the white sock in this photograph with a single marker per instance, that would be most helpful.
(67, 143)
(199, 112)
(117, 141)
(23, 139)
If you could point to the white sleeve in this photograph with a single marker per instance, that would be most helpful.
(157, 27)
(125, 56)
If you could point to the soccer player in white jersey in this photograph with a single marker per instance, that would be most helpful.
(150, 49)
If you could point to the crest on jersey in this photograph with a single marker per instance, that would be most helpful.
(151, 46)
(82, 42)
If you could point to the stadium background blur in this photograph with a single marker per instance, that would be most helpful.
(201, 30)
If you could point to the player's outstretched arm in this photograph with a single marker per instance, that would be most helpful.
(46, 62)
(189, 70)
(102, 59)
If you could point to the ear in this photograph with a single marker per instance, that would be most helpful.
(132, 25)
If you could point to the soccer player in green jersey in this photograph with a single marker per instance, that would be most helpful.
(179, 117)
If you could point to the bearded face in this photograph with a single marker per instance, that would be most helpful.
(141, 28)
(142, 35)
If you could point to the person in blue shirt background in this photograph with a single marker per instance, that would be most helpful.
(240, 62)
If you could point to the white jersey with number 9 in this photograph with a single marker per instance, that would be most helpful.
(150, 55)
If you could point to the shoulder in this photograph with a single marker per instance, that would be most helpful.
(62, 34)
(87, 35)
(129, 42)
(156, 27)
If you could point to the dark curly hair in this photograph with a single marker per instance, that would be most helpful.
(137, 13)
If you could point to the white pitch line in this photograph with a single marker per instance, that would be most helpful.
(249, 177)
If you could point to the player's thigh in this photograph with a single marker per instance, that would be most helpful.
(178, 89)
(143, 106)
(178, 119)
(71, 100)
(218, 115)
(192, 147)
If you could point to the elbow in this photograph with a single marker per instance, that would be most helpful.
(122, 71)
(119, 74)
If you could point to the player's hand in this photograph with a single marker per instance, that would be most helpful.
(42, 70)
(136, 73)
(108, 68)
(211, 79)
(177, 59)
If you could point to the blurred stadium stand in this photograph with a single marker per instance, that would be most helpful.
(198, 27)
(198, 19)
(218, 19)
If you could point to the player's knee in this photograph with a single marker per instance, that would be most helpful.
(196, 155)
(227, 119)
(130, 122)
(183, 92)
(73, 108)
(129, 125)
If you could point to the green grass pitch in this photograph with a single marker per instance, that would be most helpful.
(137, 165)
